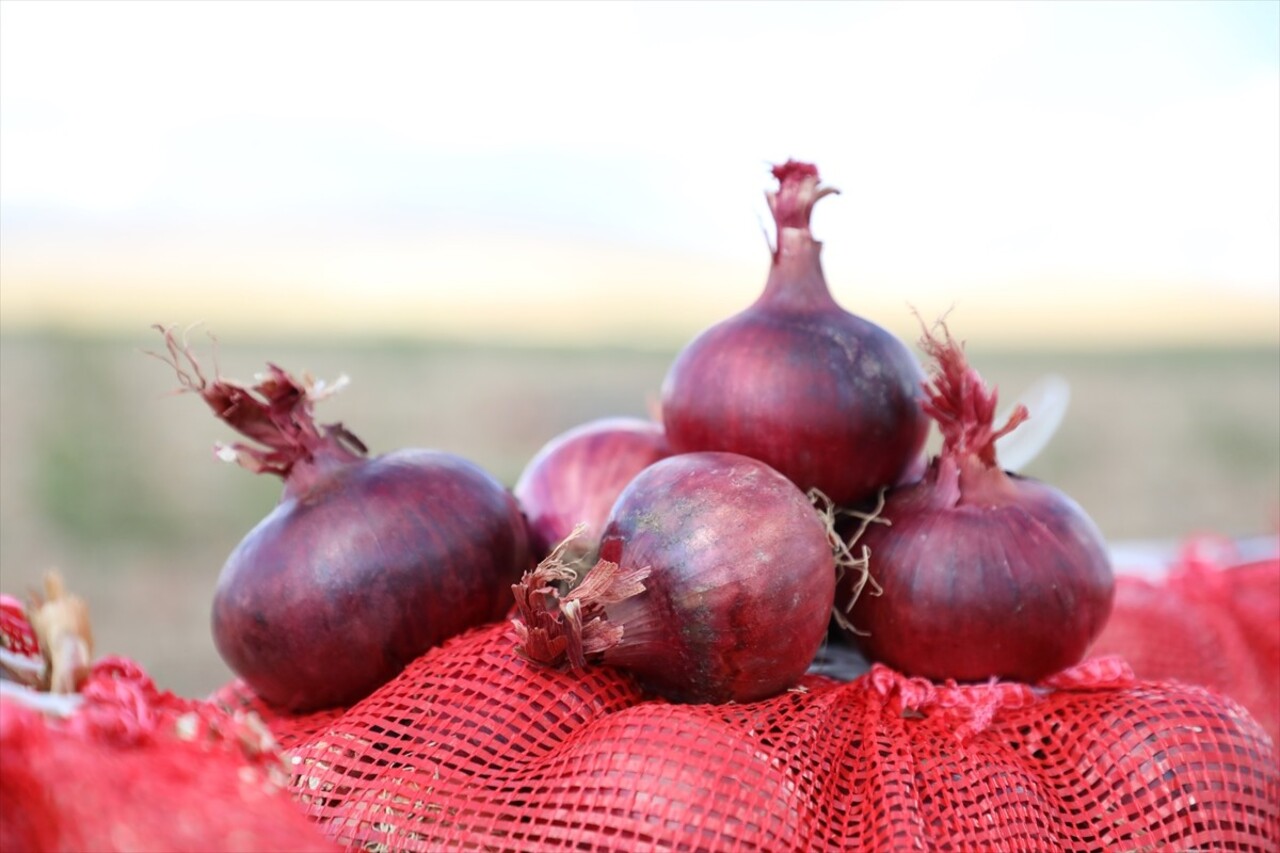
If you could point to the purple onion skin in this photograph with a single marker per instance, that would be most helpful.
(741, 585)
(825, 397)
(576, 477)
(828, 398)
(1013, 582)
(363, 570)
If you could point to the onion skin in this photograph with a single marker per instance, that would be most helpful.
(1015, 588)
(345, 583)
(576, 477)
(737, 575)
(364, 564)
(828, 398)
(982, 573)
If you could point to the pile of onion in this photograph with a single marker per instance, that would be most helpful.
(715, 583)
(977, 572)
(828, 398)
(365, 563)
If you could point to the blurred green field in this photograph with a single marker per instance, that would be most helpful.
(108, 477)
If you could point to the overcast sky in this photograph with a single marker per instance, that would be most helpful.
(563, 155)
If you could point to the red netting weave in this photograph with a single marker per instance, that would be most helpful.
(1206, 622)
(137, 769)
(472, 748)
(16, 634)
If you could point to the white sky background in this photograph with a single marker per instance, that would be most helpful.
(1101, 171)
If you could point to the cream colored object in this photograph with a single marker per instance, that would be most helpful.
(1046, 400)
(61, 623)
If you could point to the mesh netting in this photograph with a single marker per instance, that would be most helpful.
(1204, 623)
(134, 768)
(474, 748)
(16, 633)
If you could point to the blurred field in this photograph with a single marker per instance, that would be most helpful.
(107, 477)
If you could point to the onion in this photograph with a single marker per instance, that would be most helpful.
(575, 478)
(980, 573)
(829, 399)
(364, 564)
(714, 584)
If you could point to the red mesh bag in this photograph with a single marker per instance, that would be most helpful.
(124, 766)
(1210, 621)
(16, 633)
(474, 748)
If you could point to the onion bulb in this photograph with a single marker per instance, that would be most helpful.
(978, 572)
(365, 563)
(715, 582)
(828, 398)
(576, 476)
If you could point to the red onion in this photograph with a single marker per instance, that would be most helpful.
(364, 564)
(980, 572)
(829, 399)
(575, 478)
(714, 584)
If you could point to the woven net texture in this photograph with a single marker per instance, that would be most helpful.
(474, 748)
(133, 768)
(1208, 621)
